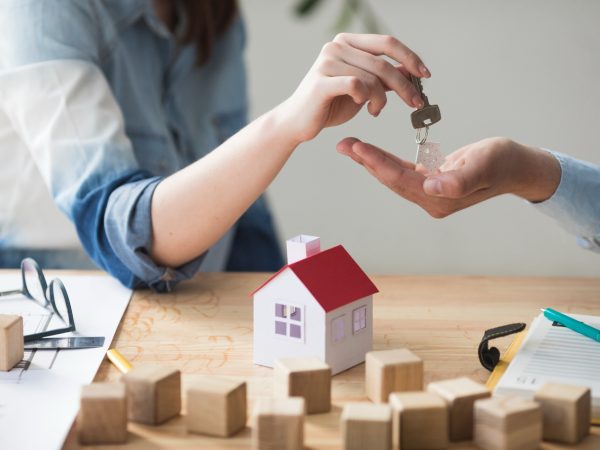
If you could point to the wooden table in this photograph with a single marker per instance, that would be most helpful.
(205, 327)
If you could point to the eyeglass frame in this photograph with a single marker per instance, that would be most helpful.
(47, 291)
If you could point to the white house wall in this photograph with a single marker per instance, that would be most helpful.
(286, 288)
(351, 350)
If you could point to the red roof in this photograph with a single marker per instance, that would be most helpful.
(332, 277)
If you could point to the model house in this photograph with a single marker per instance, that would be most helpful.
(319, 304)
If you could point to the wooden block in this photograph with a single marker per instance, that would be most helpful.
(507, 423)
(278, 424)
(566, 412)
(421, 420)
(154, 394)
(309, 378)
(216, 406)
(367, 426)
(390, 371)
(102, 415)
(460, 395)
(11, 341)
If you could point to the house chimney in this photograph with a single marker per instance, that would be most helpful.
(302, 246)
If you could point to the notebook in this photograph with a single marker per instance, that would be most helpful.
(551, 352)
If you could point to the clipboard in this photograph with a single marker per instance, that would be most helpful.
(505, 360)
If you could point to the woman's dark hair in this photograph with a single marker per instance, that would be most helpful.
(207, 19)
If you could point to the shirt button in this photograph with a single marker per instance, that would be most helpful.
(167, 276)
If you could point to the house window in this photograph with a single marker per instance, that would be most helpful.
(338, 329)
(289, 321)
(359, 319)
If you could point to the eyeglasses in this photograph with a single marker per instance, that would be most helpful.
(52, 297)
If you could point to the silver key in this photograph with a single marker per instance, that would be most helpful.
(428, 114)
(428, 153)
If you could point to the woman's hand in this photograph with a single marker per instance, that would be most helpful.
(469, 176)
(348, 73)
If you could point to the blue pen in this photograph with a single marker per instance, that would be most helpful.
(572, 324)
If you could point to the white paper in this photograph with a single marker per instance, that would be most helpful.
(39, 399)
(556, 354)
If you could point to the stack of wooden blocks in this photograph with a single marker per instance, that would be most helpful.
(152, 395)
(148, 395)
(558, 413)
(300, 386)
(419, 419)
(457, 410)
(447, 411)
(401, 411)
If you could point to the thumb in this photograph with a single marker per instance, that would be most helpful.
(453, 183)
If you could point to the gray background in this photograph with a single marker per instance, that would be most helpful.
(522, 69)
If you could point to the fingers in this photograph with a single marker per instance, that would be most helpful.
(456, 184)
(403, 178)
(439, 195)
(377, 97)
(390, 77)
(377, 44)
(345, 147)
(346, 85)
(467, 170)
(363, 52)
(400, 68)
(396, 174)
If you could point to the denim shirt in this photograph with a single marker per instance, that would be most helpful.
(98, 103)
(575, 204)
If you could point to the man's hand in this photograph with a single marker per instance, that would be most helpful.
(470, 175)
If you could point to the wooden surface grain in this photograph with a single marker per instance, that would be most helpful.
(205, 327)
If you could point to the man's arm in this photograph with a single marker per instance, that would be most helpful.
(561, 187)
(470, 175)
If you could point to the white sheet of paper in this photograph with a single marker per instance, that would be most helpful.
(39, 399)
(557, 354)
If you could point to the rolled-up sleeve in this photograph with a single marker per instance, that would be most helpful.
(128, 228)
(576, 202)
(64, 111)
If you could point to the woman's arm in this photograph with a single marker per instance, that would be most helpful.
(193, 208)
(64, 112)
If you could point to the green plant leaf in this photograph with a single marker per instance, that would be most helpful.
(305, 7)
(350, 10)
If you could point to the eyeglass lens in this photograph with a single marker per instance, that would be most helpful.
(60, 301)
(33, 282)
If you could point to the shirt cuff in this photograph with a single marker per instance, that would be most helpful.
(575, 204)
(128, 227)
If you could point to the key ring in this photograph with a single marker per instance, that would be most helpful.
(418, 139)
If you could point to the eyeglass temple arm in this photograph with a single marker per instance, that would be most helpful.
(6, 293)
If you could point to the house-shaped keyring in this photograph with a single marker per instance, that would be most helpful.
(319, 304)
